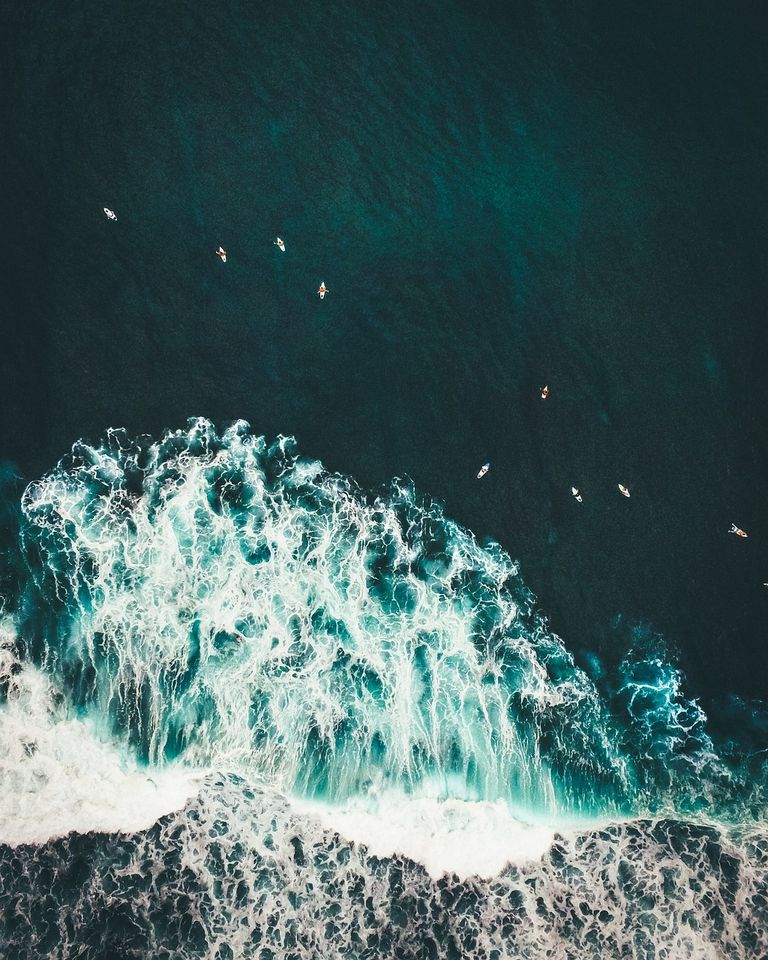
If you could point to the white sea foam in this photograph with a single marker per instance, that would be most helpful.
(462, 837)
(221, 605)
(56, 776)
(256, 878)
(231, 603)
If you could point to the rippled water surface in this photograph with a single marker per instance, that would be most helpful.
(278, 686)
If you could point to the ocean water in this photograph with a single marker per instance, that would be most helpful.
(251, 710)
(279, 677)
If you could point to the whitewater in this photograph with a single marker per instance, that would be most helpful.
(328, 722)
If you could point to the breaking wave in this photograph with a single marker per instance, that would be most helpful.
(211, 624)
(238, 874)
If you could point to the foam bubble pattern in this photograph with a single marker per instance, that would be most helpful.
(238, 875)
(221, 600)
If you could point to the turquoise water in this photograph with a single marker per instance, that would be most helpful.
(497, 197)
(215, 603)
(244, 604)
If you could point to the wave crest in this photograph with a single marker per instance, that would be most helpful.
(219, 598)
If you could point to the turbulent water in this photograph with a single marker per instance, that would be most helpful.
(253, 708)
(331, 723)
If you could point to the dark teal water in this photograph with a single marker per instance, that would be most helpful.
(497, 197)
